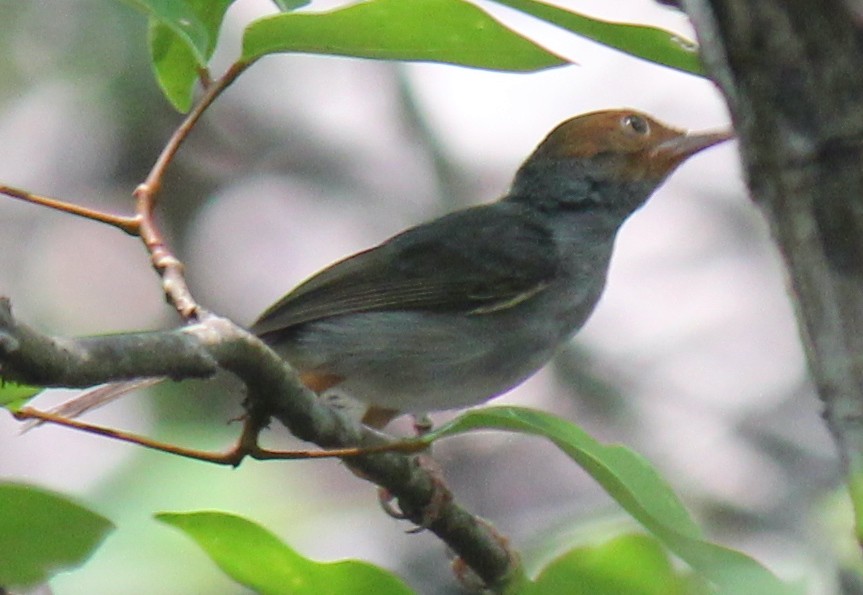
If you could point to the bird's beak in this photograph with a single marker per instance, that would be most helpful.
(673, 151)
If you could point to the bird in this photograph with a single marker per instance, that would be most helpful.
(463, 308)
(458, 310)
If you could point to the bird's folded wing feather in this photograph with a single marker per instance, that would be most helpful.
(474, 261)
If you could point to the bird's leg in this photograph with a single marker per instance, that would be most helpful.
(379, 417)
(318, 383)
(422, 426)
(430, 512)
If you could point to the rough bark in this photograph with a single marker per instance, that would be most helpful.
(792, 73)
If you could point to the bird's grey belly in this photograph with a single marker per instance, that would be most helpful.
(426, 362)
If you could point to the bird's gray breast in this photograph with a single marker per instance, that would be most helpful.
(419, 361)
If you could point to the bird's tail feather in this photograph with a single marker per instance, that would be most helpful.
(95, 398)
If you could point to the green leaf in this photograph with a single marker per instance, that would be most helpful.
(289, 5)
(183, 20)
(626, 565)
(256, 558)
(855, 490)
(449, 31)
(183, 36)
(174, 65)
(624, 474)
(43, 533)
(13, 396)
(649, 43)
(638, 488)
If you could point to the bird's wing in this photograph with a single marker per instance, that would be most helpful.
(474, 261)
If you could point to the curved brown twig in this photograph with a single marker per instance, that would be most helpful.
(130, 225)
(168, 266)
(143, 223)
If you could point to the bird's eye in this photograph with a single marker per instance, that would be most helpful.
(636, 124)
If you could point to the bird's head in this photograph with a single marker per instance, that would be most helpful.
(610, 159)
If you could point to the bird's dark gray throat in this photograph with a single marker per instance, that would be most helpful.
(566, 185)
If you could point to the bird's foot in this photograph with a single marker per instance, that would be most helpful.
(431, 511)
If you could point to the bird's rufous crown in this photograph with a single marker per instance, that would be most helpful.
(637, 146)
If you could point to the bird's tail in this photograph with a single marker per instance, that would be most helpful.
(95, 398)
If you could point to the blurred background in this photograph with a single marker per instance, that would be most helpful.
(692, 357)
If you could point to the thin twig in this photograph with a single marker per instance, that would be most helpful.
(143, 223)
(166, 264)
(130, 225)
(247, 445)
(154, 179)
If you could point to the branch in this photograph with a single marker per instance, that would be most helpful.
(126, 224)
(30, 357)
(790, 71)
(168, 266)
(273, 390)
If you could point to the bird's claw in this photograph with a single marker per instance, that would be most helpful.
(431, 512)
(385, 499)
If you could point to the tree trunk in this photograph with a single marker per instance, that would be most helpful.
(792, 73)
